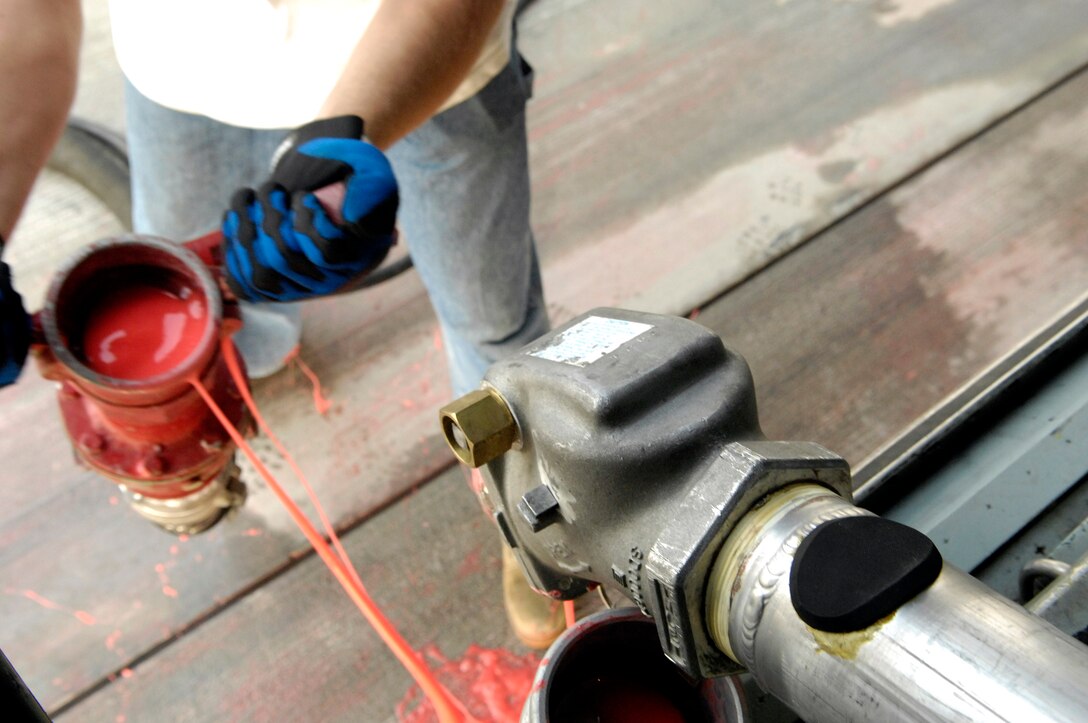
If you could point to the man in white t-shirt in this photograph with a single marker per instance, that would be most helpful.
(214, 87)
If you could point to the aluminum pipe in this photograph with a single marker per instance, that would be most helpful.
(956, 651)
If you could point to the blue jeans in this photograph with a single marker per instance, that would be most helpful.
(464, 183)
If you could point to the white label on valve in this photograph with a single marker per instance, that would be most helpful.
(590, 339)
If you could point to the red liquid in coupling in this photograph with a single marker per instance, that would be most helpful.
(140, 331)
(623, 704)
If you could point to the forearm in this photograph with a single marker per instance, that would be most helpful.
(39, 55)
(411, 58)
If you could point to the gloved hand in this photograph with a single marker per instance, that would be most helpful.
(14, 329)
(280, 243)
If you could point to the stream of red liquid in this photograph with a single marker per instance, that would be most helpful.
(139, 331)
(449, 709)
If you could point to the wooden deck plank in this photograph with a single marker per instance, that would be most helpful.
(855, 336)
(700, 140)
(850, 339)
(297, 649)
(675, 150)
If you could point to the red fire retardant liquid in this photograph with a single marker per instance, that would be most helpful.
(139, 331)
(630, 704)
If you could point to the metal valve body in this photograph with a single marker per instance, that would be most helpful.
(637, 447)
(624, 450)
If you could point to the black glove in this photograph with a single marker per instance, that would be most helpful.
(14, 328)
(280, 243)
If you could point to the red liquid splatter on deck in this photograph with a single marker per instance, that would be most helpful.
(81, 615)
(322, 403)
(140, 331)
(492, 683)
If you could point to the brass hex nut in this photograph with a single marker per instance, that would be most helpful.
(478, 427)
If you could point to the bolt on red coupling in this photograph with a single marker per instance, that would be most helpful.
(128, 324)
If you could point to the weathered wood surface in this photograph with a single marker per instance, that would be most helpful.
(679, 146)
(850, 338)
(676, 149)
(853, 337)
(297, 649)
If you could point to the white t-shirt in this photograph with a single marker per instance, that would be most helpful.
(258, 63)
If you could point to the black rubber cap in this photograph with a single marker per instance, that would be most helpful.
(849, 573)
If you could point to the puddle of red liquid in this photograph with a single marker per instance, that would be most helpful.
(139, 331)
(492, 684)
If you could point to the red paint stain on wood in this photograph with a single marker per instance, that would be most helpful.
(492, 683)
(81, 615)
(470, 565)
(167, 589)
(85, 617)
(111, 640)
(44, 602)
(322, 403)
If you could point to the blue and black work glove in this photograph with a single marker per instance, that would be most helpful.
(14, 328)
(280, 243)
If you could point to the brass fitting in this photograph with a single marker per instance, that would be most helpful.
(196, 512)
(478, 427)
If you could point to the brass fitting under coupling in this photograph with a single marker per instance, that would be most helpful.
(194, 513)
(479, 427)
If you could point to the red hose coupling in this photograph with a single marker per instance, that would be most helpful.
(128, 324)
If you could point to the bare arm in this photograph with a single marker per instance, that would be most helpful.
(39, 54)
(412, 56)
